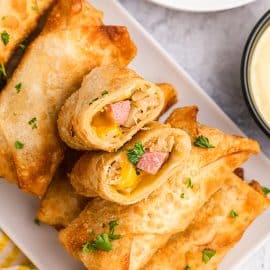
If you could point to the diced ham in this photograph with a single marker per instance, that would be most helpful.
(120, 111)
(151, 162)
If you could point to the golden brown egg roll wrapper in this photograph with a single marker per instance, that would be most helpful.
(70, 45)
(147, 225)
(18, 18)
(94, 174)
(102, 87)
(218, 226)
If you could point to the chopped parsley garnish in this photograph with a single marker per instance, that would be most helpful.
(187, 268)
(189, 183)
(5, 37)
(35, 7)
(33, 122)
(266, 190)
(3, 18)
(182, 196)
(207, 255)
(19, 145)
(95, 99)
(102, 241)
(203, 142)
(233, 214)
(18, 87)
(104, 93)
(3, 70)
(135, 154)
(22, 46)
(37, 221)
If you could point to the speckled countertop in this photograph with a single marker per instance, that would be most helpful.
(209, 46)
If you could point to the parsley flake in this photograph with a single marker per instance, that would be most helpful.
(135, 154)
(203, 142)
(182, 196)
(95, 99)
(18, 87)
(3, 69)
(19, 145)
(112, 225)
(22, 46)
(266, 190)
(5, 37)
(35, 7)
(101, 242)
(104, 93)
(189, 183)
(33, 122)
(207, 255)
(233, 214)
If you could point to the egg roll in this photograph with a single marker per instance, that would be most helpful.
(111, 106)
(72, 43)
(216, 229)
(18, 18)
(144, 227)
(153, 156)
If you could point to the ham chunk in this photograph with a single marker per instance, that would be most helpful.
(120, 111)
(151, 162)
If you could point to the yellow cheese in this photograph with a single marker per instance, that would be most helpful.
(103, 123)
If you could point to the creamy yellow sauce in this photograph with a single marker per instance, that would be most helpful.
(260, 76)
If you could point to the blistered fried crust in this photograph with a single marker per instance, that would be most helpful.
(51, 70)
(76, 116)
(89, 176)
(157, 218)
(18, 18)
(214, 228)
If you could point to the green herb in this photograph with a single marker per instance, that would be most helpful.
(189, 183)
(33, 123)
(18, 87)
(22, 46)
(136, 153)
(207, 254)
(37, 221)
(101, 242)
(95, 99)
(5, 37)
(3, 70)
(187, 268)
(233, 214)
(35, 7)
(104, 93)
(182, 196)
(266, 190)
(3, 18)
(19, 145)
(203, 142)
(112, 225)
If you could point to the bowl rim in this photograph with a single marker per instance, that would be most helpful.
(257, 30)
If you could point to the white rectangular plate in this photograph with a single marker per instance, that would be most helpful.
(40, 244)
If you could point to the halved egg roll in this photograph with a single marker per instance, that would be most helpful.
(218, 226)
(140, 167)
(72, 43)
(111, 236)
(18, 18)
(111, 106)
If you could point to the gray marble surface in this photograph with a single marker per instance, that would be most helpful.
(209, 46)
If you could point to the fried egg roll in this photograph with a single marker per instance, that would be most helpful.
(18, 18)
(146, 226)
(72, 43)
(111, 106)
(141, 166)
(218, 226)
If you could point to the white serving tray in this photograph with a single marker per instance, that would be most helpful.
(202, 5)
(40, 244)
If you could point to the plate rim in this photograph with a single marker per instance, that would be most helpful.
(183, 7)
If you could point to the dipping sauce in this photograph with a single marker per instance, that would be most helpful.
(259, 75)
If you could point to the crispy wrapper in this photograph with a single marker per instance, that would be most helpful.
(94, 174)
(72, 43)
(18, 18)
(146, 226)
(218, 226)
(102, 87)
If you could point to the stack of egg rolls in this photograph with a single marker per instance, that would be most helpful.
(73, 42)
(146, 226)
